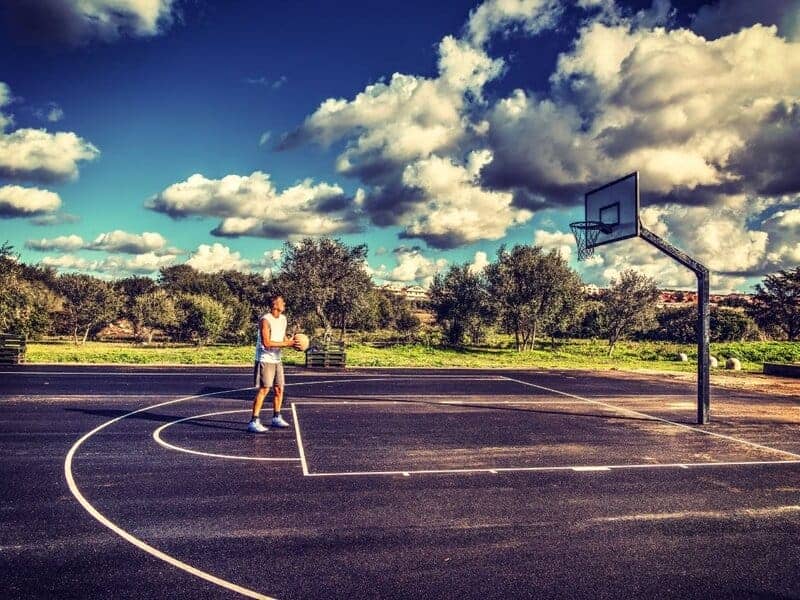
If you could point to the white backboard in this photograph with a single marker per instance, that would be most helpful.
(615, 204)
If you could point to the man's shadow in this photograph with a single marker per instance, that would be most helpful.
(238, 399)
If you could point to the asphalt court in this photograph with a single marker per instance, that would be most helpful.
(396, 484)
(491, 423)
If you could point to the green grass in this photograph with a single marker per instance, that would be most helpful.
(575, 354)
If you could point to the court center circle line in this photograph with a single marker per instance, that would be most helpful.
(142, 545)
(157, 437)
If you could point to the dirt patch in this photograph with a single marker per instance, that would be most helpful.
(751, 382)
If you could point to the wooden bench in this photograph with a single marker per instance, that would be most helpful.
(12, 349)
(782, 369)
(326, 355)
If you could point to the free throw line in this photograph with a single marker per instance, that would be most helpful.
(165, 444)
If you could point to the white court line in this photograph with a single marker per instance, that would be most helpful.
(333, 403)
(653, 417)
(299, 441)
(187, 372)
(495, 470)
(573, 468)
(157, 438)
(422, 400)
(121, 373)
(106, 522)
(501, 402)
(127, 536)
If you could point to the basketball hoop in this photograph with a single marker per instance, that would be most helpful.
(586, 233)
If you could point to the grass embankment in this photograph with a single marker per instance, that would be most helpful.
(575, 354)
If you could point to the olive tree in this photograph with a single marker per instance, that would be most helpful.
(535, 293)
(201, 318)
(324, 277)
(776, 305)
(460, 304)
(87, 302)
(154, 310)
(628, 305)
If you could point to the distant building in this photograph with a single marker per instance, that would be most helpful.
(416, 293)
(677, 297)
(688, 297)
(412, 293)
(393, 288)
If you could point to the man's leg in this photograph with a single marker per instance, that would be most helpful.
(262, 389)
(277, 399)
(259, 400)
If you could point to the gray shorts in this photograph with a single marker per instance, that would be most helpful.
(268, 374)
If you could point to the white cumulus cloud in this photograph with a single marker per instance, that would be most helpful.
(217, 257)
(37, 155)
(253, 206)
(80, 21)
(111, 267)
(18, 201)
(555, 240)
(116, 241)
(454, 209)
(131, 243)
(413, 267)
(64, 243)
(532, 16)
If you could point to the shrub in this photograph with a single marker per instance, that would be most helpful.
(726, 325)
(203, 319)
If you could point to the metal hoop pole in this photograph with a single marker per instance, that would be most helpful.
(703, 319)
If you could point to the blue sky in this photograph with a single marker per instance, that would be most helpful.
(432, 132)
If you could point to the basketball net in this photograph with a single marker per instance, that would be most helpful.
(585, 233)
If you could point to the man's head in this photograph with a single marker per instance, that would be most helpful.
(277, 305)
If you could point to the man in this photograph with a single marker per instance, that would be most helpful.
(269, 368)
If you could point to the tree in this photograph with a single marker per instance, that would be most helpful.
(201, 318)
(184, 279)
(26, 308)
(776, 304)
(629, 305)
(345, 305)
(407, 324)
(27, 303)
(154, 310)
(240, 327)
(133, 287)
(88, 302)
(368, 315)
(536, 292)
(130, 289)
(323, 277)
(725, 325)
(251, 289)
(460, 304)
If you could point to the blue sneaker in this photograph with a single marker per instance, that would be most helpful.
(255, 426)
(279, 422)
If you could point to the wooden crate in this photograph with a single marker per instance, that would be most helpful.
(326, 355)
(12, 349)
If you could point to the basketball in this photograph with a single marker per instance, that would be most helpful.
(301, 339)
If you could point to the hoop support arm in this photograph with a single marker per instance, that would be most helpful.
(703, 318)
(679, 255)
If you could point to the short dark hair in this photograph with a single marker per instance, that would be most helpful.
(274, 299)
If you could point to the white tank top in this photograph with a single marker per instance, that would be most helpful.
(277, 333)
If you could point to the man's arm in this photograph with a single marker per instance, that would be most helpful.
(266, 342)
